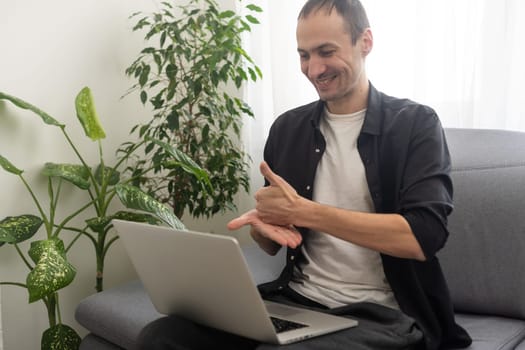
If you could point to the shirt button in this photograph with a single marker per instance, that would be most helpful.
(308, 188)
(317, 150)
(292, 257)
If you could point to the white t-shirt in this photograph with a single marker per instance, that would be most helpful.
(336, 272)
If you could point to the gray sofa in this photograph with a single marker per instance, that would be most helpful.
(484, 259)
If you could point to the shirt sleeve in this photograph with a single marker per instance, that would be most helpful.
(426, 194)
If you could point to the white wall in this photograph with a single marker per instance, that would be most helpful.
(50, 50)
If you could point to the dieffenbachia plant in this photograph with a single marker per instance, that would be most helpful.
(46, 260)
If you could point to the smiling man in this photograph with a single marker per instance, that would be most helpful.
(358, 191)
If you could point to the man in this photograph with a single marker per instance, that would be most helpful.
(358, 190)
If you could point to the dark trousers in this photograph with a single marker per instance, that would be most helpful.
(380, 328)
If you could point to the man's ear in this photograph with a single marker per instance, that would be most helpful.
(367, 42)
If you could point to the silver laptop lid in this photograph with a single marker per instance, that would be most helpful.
(181, 273)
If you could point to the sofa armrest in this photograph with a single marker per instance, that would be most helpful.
(117, 314)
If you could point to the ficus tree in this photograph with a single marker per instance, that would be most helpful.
(190, 74)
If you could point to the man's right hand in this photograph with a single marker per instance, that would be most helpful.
(269, 237)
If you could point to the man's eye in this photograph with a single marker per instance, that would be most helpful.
(326, 53)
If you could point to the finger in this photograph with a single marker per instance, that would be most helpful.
(284, 236)
(294, 237)
(276, 180)
(237, 223)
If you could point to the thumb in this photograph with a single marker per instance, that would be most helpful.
(276, 180)
(269, 175)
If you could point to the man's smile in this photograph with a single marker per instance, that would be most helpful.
(325, 79)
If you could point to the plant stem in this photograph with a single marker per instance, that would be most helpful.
(93, 180)
(100, 255)
(51, 303)
(70, 217)
(39, 207)
(111, 241)
(58, 308)
(13, 284)
(23, 256)
(102, 205)
(100, 270)
(74, 240)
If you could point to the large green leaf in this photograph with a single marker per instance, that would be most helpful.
(9, 167)
(111, 175)
(74, 173)
(51, 272)
(60, 337)
(134, 198)
(87, 115)
(25, 105)
(98, 224)
(16, 229)
(185, 162)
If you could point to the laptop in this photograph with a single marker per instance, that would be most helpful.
(205, 278)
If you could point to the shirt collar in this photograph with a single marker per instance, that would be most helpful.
(373, 117)
(372, 123)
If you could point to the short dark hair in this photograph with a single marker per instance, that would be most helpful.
(352, 12)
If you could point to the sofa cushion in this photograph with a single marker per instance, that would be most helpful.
(521, 346)
(483, 259)
(492, 333)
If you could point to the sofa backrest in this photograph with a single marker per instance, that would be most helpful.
(484, 258)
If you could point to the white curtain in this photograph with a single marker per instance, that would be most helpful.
(1, 330)
(464, 58)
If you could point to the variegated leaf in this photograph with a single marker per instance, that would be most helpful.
(37, 248)
(52, 271)
(16, 229)
(112, 175)
(9, 167)
(87, 115)
(25, 105)
(134, 198)
(78, 175)
(98, 224)
(60, 337)
(137, 217)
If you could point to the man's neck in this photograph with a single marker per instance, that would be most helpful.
(352, 103)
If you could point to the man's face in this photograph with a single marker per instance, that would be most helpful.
(329, 60)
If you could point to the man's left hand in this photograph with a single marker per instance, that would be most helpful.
(277, 203)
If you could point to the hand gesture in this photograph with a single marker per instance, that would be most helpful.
(282, 235)
(277, 203)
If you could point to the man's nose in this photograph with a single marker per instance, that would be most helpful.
(316, 67)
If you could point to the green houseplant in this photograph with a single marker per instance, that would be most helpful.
(192, 62)
(46, 260)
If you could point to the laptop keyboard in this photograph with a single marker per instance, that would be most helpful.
(281, 325)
